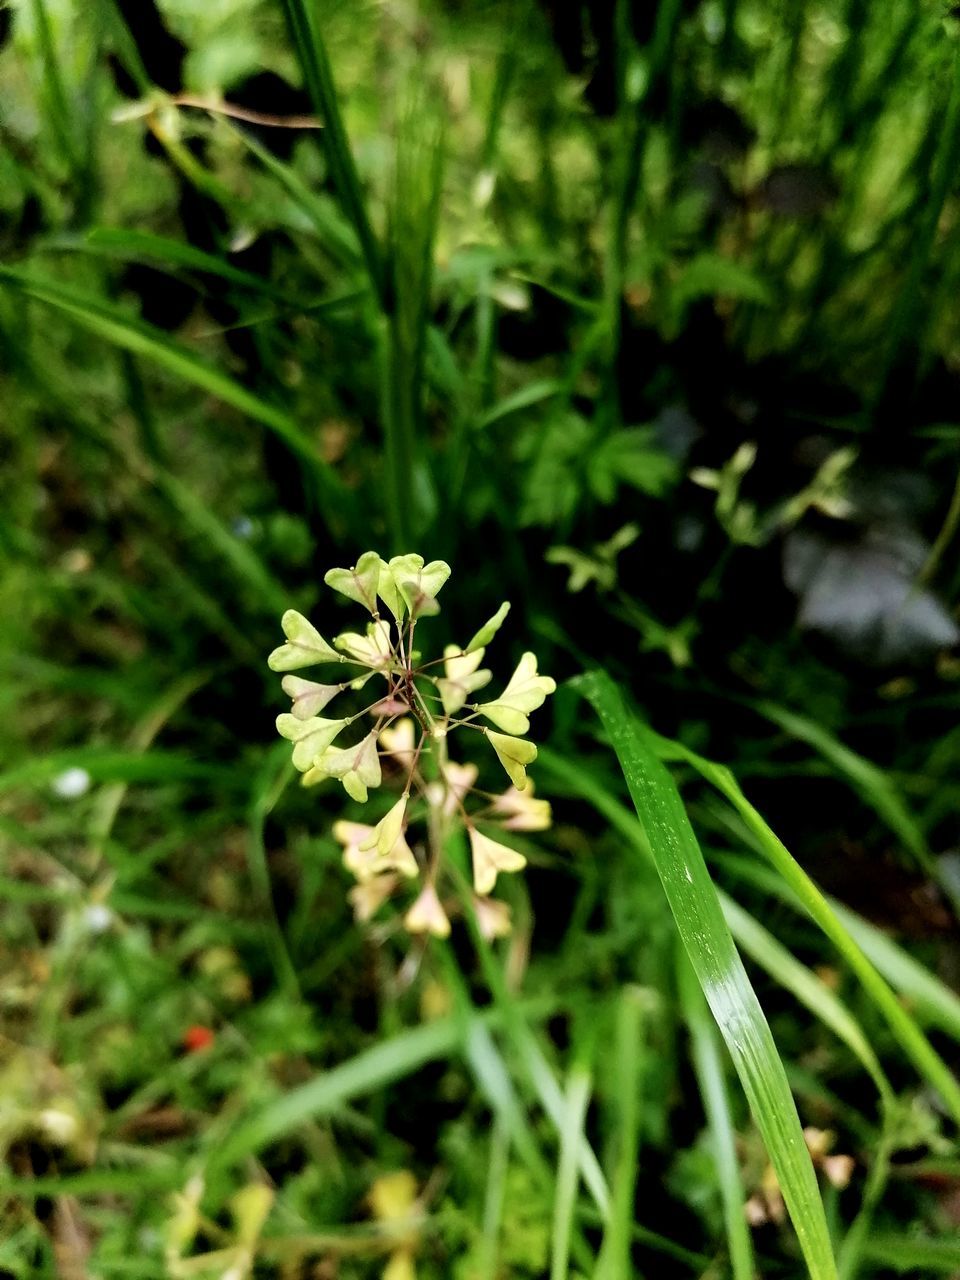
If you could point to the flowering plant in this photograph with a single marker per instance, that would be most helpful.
(413, 717)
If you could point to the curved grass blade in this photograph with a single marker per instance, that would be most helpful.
(811, 991)
(874, 786)
(932, 1000)
(535, 1065)
(371, 1069)
(915, 1044)
(917, 1254)
(130, 334)
(118, 242)
(752, 938)
(699, 918)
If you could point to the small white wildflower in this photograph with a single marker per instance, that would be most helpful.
(71, 784)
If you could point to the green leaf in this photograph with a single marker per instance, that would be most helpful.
(699, 918)
(630, 457)
(554, 481)
(712, 275)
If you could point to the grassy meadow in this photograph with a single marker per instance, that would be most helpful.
(641, 317)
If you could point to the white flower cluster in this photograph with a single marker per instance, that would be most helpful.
(412, 717)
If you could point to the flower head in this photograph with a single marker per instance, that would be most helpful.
(414, 709)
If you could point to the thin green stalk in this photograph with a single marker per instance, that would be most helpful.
(60, 113)
(311, 51)
(413, 221)
(268, 788)
(615, 1262)
(497, 1167)
(576, 1101)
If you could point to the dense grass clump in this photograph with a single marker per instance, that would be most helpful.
(638, 316)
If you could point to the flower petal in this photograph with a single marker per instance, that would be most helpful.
(309, 698)
(357, 767)
(514, 754)
(520, 811)
(489, 858)
(387, 831)
(400, 739)
(419, 589)
(306, 645)
(493, 918)
(359, 583)
(505, 717)
(374, 649)
(427, 915)
(310, 737)
(368, 897)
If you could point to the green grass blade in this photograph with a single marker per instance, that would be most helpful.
(121, 329)
(876, 788)
(135, 246)
(708, 1066)
(699, 918)
(312, 54)
(615, 1263)
(914, 1254)
(104, 764)
(811, 991)
(524, 1044)
(375, 1068)
(58, 108)
(334, 231)
(494, 1196)
(490, 1071)
(413, 221)
(533, 393)
(771, 955)
(235, 553)
(933, 1002)
(575, 1103)
(931, 998)
(915, 1044)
